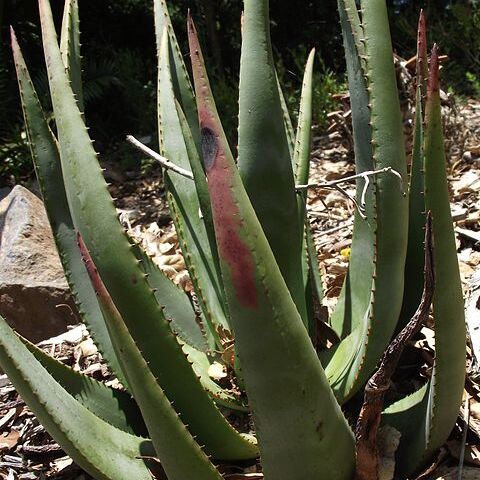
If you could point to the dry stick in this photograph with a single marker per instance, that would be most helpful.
(335, 185)
(378, 385)
(364, 175)
(360, 208)
(156, 156)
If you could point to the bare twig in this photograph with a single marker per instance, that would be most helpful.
(50, 449)
(156, 156)
(376, 388)
(335, 185)
(364, 175)
(360, 208)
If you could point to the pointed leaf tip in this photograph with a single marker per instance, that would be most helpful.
(422, 33)
(202, 88)
(422, 55)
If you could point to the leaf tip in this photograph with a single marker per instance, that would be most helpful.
(422, 31)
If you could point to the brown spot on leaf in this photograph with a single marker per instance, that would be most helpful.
(209, 147)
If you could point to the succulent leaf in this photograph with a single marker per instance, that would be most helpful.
(198, 244)
(114, 406)
(201, 365)
(180, 78)
(448, 307)
(354, 298)
(95, 217)
(422, 57)
(416, 191)
(313, 281)
(292, 444)
(264, 157)
(70, 49)
(416, 220)
(380, 298)
(303, 139)
(301, 165)
(443, 397)
(180, 455)
(115, 455)
(287, 120)
(177, 306)
(46, 159)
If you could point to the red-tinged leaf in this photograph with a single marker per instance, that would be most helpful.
(232, 248)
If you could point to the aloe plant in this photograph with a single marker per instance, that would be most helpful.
(248, 248)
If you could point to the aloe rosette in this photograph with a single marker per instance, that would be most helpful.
(248, 247)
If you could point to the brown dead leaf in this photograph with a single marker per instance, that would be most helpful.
(9, 441)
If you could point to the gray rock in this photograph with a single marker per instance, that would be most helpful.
(34, 295)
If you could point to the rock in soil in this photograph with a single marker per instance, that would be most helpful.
(34, 295)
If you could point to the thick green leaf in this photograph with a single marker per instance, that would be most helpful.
(48, 168)
(373, 319)
(102, 450)
(177, 306)
(416, 221)
(448, 307)
(95, 217)
(441, 403)
(200, 181)
(417, 214)
(115, 407)
(179, 311)
(422, 57)
(313, 282)
(198, 247)
(70, 48)
(282, 374)
(287, 121)
(301, 165)
(181, 81)
(303, 137)
(354, 299)
(350, 319)
(179, 453)
(263, 150)
(201, 365)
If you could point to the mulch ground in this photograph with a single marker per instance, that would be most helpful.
(28, 452)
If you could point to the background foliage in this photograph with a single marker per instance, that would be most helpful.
(120, 61)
